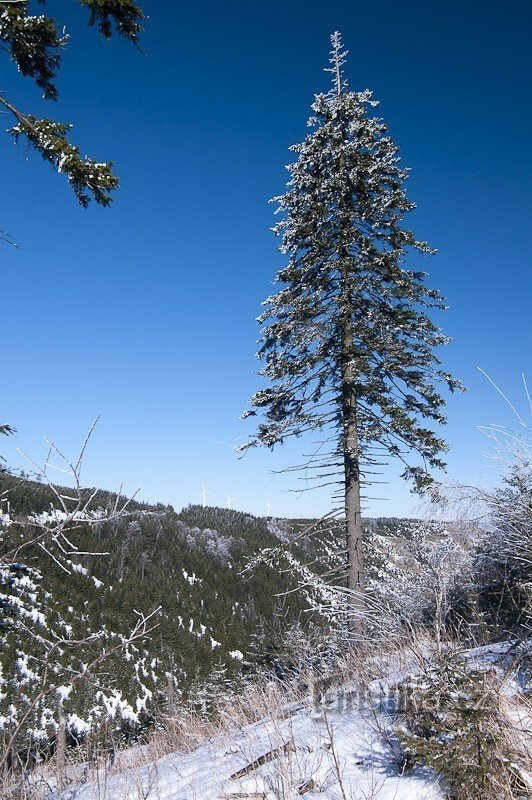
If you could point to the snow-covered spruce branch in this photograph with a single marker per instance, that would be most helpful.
(34, 44)
(7, 238)
(5, 429)
(89, 179)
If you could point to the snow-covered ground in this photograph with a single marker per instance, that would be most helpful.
(303, 756)
(345, 751)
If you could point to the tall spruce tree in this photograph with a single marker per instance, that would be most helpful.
(347, 343)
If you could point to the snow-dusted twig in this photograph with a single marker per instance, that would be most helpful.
(74, 509)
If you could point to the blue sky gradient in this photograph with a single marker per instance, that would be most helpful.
(145, 312)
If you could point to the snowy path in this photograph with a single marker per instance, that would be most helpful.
(359, 754)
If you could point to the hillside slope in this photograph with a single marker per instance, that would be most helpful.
(186, 565)
(212, 623)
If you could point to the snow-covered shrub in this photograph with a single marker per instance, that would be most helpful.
(503, 560)
(416, 575)
(414, 568)
(297, 653)
(53, 646)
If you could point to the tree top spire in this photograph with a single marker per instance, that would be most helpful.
(337, 59)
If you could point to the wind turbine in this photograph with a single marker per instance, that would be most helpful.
(268, 508)
(204, 494)
(229, 501)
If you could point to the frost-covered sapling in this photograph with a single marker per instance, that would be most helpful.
(454, 723)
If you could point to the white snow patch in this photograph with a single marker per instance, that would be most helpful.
(237, 654)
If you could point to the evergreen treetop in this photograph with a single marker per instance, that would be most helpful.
(347, 251)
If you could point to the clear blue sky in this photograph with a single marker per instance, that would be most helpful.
(145, 312)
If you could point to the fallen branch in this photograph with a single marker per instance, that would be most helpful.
(243, 795)
(289, 747)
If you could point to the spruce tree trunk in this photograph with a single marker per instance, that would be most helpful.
(353, 525)
(351, 454)
(61, 746)
(353, 518)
